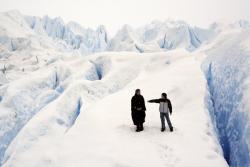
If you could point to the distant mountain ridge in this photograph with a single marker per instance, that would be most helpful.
(153, 37)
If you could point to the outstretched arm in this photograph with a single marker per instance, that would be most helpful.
(154, 101)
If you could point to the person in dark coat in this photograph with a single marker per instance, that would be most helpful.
(165, 109)
(138, 109)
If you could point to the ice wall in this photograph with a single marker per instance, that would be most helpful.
(227, 71)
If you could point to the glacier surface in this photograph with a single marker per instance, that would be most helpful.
(57, 91)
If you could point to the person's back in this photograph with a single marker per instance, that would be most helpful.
(138, 109)
(138, 102)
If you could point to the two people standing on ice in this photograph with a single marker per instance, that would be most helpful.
(138, 109)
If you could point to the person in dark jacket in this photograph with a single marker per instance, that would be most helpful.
(138, 109)
(165, 109)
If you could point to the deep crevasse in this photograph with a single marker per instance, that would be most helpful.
(227, 71)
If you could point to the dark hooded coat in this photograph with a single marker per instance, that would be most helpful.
(138, 109)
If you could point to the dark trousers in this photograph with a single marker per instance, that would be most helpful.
(163, 116)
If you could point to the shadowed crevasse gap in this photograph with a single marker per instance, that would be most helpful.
(22, 116)
(224, 103)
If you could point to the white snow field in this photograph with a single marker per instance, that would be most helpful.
(65, 94)
(90, 123)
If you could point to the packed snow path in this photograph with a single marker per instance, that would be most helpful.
(90, 123)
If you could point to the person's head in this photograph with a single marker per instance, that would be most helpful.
(137, 91)
(164, 95)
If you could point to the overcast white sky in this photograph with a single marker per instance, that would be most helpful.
(114, 13)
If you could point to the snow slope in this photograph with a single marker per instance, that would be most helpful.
(89, 124)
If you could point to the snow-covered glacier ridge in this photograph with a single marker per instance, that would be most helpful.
(153, 37)
(156, 36)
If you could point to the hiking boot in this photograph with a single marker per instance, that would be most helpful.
(138, 129)
(162, 129)
(141, 128)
